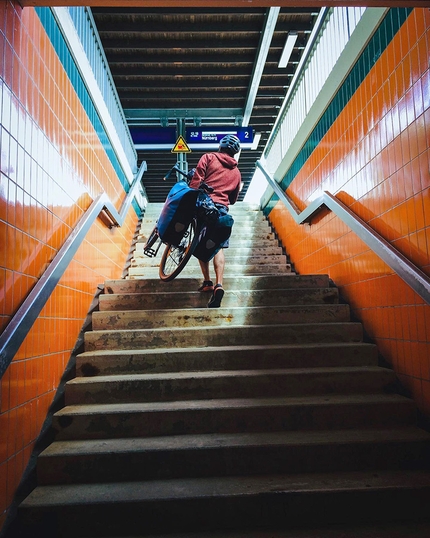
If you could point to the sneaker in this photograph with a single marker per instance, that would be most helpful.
(217, 296)
(207, 285)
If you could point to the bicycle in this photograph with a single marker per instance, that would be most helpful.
(176, 256)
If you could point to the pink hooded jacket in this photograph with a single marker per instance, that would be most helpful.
(220, 171)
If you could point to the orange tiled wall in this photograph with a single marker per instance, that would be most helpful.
(52, 166)
(376, 159)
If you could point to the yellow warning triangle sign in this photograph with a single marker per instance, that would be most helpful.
(181, 146)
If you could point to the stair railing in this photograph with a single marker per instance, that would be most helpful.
(404, 268)
(20, 324)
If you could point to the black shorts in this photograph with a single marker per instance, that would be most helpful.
(223, 210)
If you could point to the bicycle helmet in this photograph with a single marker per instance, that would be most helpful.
(230, 143)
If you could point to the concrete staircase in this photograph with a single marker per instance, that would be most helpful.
(266, 417)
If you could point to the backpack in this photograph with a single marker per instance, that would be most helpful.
(177, 213)
(206, 210)
(214, 237)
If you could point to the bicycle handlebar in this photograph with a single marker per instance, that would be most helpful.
(175, 169)
(190, 174)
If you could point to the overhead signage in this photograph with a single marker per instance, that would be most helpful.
(181, 146)
(195, 138)
(153, 138)
(209, 137)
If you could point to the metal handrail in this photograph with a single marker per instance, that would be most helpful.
(18, 327)
(405, 269)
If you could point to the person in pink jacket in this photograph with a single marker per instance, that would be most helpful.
(220, 171)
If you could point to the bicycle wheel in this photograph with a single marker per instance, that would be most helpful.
(175, 258)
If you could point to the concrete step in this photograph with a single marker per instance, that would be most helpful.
(326, 412)
(145, 261)
(399, 529)
(163, 298)
(245, 224)
(261, 235)
(154, 212)
(272, 250)
(187, 456)
(248, 224)
(159, 360)
(230, 270)
(270, 501)
(233, 316)
(237, 209)
(173, 386)
(226, 335)
(241, 282)
(230, 255)
(239, 239)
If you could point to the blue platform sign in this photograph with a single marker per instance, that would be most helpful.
(197, 138)
(153, 138)
(209, 137)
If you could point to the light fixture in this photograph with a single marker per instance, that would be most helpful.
(288, 49)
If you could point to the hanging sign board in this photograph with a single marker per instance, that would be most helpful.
(195, 138)
(181, 146)
(153, 138)
(209, 137)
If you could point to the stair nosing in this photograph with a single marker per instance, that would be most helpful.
(195, 488)
(234, 403)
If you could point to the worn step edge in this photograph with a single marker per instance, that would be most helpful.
(207, 488)
(233, 316)
(239, 258)
(245, 282)
(413, 528)
(247, 499)
(238, 403)
(237, 335)
(92, 363)
(244, 258)
(224, 384)
(232, 415)
(152, 272)
(168, 300)
(224, 454)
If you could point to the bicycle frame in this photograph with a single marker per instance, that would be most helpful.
(175, 257)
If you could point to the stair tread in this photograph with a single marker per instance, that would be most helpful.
(169, 293)
(232, 373)
(198, 310)
(233, 315)
(222, 440)
(335, 345)
(409, 529)
(230, 486)
(235, 328)
(235, 403)
(246, 278)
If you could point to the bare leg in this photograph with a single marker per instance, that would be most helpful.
(219, 265)
(218, 293)
(204, 266)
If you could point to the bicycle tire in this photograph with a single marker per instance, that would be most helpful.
(175, 258)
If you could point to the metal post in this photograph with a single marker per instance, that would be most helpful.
(181, 158)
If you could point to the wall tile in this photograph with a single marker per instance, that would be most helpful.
(45, 186)
(391, 193)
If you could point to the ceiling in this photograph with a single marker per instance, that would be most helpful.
(185, 67)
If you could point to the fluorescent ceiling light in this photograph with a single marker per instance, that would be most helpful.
(288, 49)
